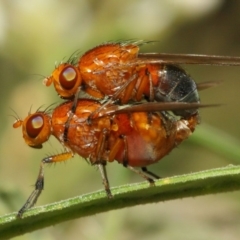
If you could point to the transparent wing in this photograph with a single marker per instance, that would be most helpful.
(167, 58)
(152, 107)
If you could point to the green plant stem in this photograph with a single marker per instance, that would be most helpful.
(189, 185)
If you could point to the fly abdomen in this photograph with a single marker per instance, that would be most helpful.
(175, 85)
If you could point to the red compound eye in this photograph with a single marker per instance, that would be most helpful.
(68, 78)
(34, 125)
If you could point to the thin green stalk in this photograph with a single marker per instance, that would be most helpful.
(189, 185)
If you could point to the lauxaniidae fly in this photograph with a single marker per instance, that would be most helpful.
(119, 72)
(114, 134)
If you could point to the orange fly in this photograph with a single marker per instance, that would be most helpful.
(117, 70)
(112, 135)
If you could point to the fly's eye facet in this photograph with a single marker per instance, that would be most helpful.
(34, 125)
(68, 78)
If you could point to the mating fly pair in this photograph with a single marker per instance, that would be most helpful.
(113, 130)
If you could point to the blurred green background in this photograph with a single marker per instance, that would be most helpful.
(36, 34)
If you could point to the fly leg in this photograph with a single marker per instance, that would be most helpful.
(144, 169)
(71, 113)
(101, 164)
(103, 172)
(146, 80)
(128, 86)
(39, 185)
(142, 174)
(35, 194)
